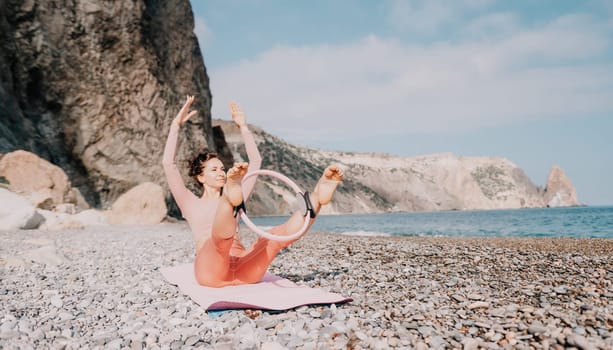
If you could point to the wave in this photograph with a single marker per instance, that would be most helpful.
(365, 233)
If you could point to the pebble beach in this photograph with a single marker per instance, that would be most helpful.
(101, 287)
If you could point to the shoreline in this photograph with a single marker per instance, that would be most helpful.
(571, 245)
(415, 292)
(583, 206)
(591, 246)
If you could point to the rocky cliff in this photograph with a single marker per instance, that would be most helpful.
(381, 182)
(92, 86)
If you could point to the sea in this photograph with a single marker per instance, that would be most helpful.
(585, 221)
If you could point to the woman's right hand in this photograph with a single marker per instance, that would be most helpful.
(184, 114)
(237, 114)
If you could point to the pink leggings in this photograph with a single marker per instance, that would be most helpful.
(223, 262)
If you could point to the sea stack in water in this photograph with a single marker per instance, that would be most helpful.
(560, 192)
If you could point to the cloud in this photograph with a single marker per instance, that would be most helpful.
(377, 86)
(202, 31)
(494, 25)
(558, 42)
(428, 16)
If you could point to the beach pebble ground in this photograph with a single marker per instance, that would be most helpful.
(101, 287)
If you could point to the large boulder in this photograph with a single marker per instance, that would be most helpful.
(44, 184)
(17, 213)
(560, 192)
(143, 204)
(35, 177)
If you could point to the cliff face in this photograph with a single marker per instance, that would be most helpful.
(379, 182)
(304, 167)
(92, 86)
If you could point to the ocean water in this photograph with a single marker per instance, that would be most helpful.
(596, 222)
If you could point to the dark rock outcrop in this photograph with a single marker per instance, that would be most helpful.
(92, 86)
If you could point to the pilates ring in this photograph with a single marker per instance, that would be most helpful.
(303, 200)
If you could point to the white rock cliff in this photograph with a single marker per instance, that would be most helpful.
(381, 182)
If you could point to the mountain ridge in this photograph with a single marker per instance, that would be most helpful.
(380, 182)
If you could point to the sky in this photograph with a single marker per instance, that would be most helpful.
(526, 80)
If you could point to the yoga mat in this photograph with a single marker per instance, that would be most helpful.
(271, 293)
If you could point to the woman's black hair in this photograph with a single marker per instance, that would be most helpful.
(197, 164)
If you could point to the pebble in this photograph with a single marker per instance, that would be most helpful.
(56, 301)
(266, 323)
(192, 340)
(479, 305)
(176, 321)
(421, 293)
(537, 328)
(483, 325)
(473, 296)
(459, 298)
(64, 316)
(315, 314)
(272, 346)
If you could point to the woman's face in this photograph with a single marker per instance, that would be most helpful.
(213, 173)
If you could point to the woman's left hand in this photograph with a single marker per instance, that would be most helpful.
(237, 114)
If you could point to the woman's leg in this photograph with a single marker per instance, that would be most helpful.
(224, 224)
(254, 264)
(212, 263)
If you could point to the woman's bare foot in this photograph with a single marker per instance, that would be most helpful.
(233, 190)
(321, 195)
(326, 186)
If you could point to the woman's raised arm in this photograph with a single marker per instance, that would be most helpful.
(253, 155)
(175, 183)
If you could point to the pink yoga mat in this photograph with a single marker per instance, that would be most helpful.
(271, 293)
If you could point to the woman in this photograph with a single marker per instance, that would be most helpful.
(221, 259)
